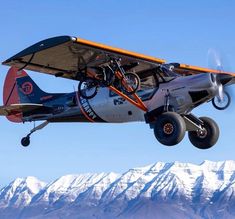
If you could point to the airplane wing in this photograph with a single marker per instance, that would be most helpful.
(64, 56)
(185, 69)
(15, 109)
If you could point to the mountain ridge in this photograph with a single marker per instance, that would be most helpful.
(159, 190)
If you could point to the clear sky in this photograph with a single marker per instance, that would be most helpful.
(178, 31)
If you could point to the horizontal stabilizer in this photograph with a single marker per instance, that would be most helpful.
(14, 109)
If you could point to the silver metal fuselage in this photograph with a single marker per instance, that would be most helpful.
(184, 93)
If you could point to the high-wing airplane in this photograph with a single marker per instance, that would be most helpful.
(114, 86)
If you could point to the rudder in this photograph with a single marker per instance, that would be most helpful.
(20, 88)
(10, 92)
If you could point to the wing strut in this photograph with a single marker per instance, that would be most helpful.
(137, 101)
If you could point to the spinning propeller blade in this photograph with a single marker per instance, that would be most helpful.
(215, 61)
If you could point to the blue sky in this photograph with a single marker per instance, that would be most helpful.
(178, 31)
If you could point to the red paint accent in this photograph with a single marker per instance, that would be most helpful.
(46, 97)
(10, 94)
(27, 88)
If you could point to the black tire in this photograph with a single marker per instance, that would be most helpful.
(209, 138)
(25, 141)
(222, 107)
(133, 81)
(169, 128)
(88, 88)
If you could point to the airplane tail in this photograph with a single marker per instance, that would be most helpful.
(19, 88)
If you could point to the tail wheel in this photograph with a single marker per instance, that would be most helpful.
(207, 137)
(25, 141)
(130, 83)
(169, 128)
(88, 88)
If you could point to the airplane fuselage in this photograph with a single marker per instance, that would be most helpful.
(183, 93)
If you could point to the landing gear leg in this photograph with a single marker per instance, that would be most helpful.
(203, 132)
(26, 140)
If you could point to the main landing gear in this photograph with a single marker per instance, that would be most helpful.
(170, 127)
(207, 136)
(25, 141)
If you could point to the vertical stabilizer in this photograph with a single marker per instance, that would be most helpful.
(19, 88)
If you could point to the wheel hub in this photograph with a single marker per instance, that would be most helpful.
(168, 128)
(202, 133)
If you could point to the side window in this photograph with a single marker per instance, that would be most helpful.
(148, 83)
(148, 86)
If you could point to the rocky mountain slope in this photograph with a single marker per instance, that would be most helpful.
(161, 190)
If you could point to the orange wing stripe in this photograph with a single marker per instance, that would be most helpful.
(200, 69)
(120, 51)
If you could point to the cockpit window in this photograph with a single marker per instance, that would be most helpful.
(148, 86)
(166, 73)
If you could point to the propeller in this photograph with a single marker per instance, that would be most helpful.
(222, 100)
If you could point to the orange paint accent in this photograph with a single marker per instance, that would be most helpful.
(119, 76)
(83, 112)
(138, 103)
(120, 51)
(200, 69)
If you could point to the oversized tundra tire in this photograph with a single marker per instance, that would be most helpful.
(169, 128)
(206, 138)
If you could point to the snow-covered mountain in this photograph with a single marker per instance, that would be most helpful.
(161, 190)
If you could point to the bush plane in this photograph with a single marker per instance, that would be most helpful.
(114, 86)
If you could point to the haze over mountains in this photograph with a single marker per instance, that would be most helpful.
(161, 190)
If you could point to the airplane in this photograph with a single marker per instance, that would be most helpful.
(114, 86)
